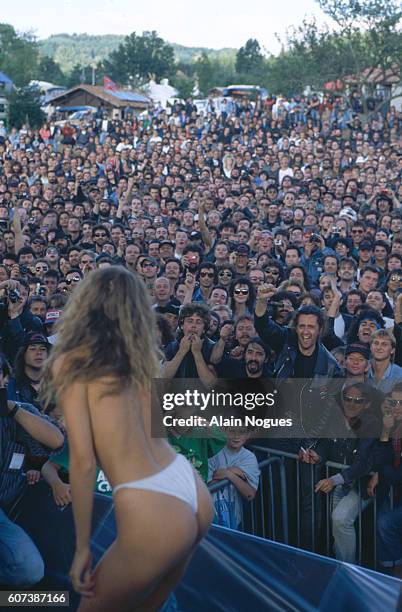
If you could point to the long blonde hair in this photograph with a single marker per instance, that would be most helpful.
(107, 329)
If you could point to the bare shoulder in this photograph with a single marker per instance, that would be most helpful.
(109, 387)
(76, 391)
(58, 365)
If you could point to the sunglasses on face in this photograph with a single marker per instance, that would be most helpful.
(393, 402)
(207, 274)
(75, 279)
(225, 274)
(357, 231)
(148, 265)
(241, 291)
(354, 400)
(100, 235)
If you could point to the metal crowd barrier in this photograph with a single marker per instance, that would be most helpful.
(268, 514)
(256, 519)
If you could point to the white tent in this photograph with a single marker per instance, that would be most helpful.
(161, 93)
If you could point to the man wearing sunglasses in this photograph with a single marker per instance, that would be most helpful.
(383, 373)
(73, 277)
(357, 451)
(389, 473)
(100, 235)
(207, 278)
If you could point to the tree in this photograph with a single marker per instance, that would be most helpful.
(249, 59)
(25, 107)
(18, 55)
(140, 57)
(49, 71)
(371, 31)
(359, 53)
(184, 85)
(213, 73)
(204, 72)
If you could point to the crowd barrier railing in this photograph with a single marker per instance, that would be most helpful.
(268, 514)
(255, 519)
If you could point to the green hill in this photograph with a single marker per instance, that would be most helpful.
(84, 49)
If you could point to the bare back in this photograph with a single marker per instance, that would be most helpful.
(121, 432)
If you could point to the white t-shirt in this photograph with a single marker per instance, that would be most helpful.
(246, 461)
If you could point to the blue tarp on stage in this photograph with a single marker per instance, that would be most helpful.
(230, 572)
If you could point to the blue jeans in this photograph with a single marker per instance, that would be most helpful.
(389, 532)
(345, 510)
(20, 561)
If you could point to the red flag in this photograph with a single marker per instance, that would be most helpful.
(109, 84)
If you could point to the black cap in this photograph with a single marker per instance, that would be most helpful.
(366, 245)
(357, 347)
(242, 249)
(32, 338)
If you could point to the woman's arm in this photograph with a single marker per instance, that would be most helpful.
(82, 470)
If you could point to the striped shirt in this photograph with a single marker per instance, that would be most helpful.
(15, 440)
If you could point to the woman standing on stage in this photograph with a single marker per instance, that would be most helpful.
(100, 374)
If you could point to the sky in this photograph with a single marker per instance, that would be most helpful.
(195, 23)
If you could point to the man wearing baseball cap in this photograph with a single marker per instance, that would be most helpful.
(357, 357)
(24, 386)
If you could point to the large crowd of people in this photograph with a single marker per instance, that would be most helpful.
(269, 237)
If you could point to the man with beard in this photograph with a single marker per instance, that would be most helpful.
(244, 331)
(283, 306)
(346, 274)
(253, 365)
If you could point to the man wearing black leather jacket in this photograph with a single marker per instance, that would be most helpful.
(310, 399)
(357, 451)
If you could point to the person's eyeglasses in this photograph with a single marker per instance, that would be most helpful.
(74, 279)
(148, 265)
(274, 272)
(241, 291)
(395, 278)
(394, 402)
(100, 235)
(225, 273)
(207, 274)
(357, 231)
(354, 400)
(40, 269)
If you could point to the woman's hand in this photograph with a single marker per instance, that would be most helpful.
(81, 573)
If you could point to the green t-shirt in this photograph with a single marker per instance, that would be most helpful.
(63, 460)
(198, 450)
